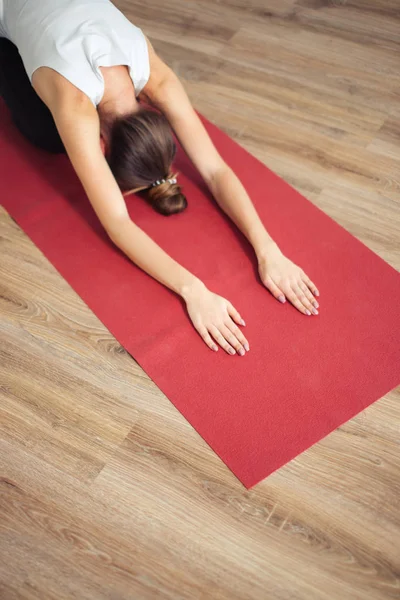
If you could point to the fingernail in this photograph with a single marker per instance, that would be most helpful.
(281, 299)
(215, 348)
(241, 352)
(231, 351)
(316, 293)
(316, 304)
(242, 322)
(246, 345)
(315, 312)
(308, 313)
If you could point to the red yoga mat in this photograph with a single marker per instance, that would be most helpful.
(303, 377)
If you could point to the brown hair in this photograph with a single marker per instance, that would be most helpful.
(140, 151)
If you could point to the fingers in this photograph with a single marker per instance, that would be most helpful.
(292, 296)
(228, 340)
(309, 308)
(223, 329)
(274, 289)
(207, 338)
(310, 285)
(228, 336)
(232, 340)
(235, 337)
(312, 301)
(300, 293)
(235, 315)
(217, 335)
(241, 342)
(298, 297)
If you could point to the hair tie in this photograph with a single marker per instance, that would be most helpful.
(160, 181)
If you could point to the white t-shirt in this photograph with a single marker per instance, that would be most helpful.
(75, 38)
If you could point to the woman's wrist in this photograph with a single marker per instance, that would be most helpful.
(261, 241)
(192, 285)
(269, 248)
(266, 249)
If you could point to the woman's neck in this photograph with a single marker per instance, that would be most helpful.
(119, 93)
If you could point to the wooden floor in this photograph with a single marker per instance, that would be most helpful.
(106, 491)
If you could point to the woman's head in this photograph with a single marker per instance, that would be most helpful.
(140, 150)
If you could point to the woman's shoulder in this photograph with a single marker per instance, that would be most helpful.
(56, 90)
(159, 70)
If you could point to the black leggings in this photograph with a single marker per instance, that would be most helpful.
(28, 111)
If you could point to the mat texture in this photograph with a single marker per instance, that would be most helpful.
(303, 376)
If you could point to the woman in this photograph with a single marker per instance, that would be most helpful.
(74, 74)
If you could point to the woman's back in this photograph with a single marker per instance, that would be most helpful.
(75, 38)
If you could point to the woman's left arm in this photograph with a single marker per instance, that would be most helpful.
(281, 276)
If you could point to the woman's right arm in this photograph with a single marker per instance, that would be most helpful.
(78, 125)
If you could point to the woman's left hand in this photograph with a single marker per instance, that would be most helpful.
(285, 280)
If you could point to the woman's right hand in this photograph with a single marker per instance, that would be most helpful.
(214, 317)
